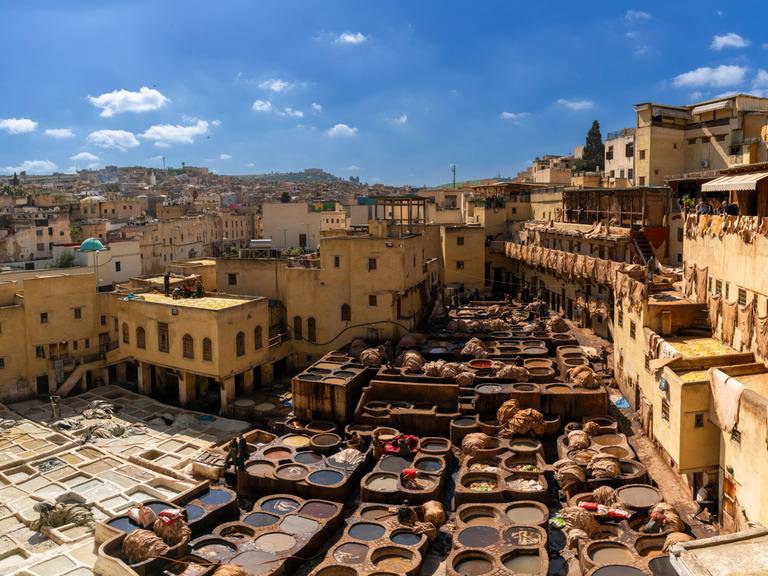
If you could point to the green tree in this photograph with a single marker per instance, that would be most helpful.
(594, 149)
(285, 197)
(64, 260)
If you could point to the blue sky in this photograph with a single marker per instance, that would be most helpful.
(391, 91)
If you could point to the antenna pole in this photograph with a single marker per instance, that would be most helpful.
(453, 171)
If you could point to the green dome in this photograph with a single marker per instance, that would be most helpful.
(91, 245)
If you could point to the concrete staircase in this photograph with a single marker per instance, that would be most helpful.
(75, 376)
(642, 245)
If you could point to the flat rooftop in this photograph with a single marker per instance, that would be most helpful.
(205, 303)
(699, 347)
(741, 554)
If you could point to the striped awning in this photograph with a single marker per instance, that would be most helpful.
(711, 107)
(736, 182)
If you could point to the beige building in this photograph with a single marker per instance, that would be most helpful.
(552, 169)
(703, 137)
(291, 225)
(620, 155)
(30, 235)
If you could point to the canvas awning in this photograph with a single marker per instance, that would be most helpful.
(736, 182)
(711, 107)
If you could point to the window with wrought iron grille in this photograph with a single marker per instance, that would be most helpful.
(665, 409)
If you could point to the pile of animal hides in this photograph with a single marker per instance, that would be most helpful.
(515, 421)
(584, 377)
(168, 530)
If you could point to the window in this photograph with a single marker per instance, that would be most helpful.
(103, 320)
(78, 312)
(632, 329)
(298, 333)
(642, 154)
(727, 290)
(372, 300)
(460, 265)
(163, 342)
(371, 264)
(734, 150)
(207, 350)
(44, 318)
(742, 297)
(665, 409)
(141, 338)
(126, 336)
(736, 435)
(240, 344)
(698, 420)
(720, 138)
(187, 346)
(647, 363)
(630, 173)
(40, 246)
(679, 258)
(674, 145)
(642, 181)
(74, 345)
(718, 286)
(691, 140)
(231, 279)
(709, 284)
(336, 261)
(656, 172)
(680, 235)
(117, 266)
(39, 352)
(311, 329)
(629, 150)
(2, 363)
(459, 240)
(258, 339)
(87, 343)
(346, 313)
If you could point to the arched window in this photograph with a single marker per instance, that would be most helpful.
(207, 350)
(311, 329)
(257, 339)
(346, 313)
(240, 344)
(298, 333)
(126, 335)
(188, 346)
(141, 338)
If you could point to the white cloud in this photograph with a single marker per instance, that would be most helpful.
(31, 167)
(119, 139)
(353, 167)
(729, 40)
(216, 123)
(84, 157)
(262, 106)
(166, 135)
(276, 85)
(695, 96)
(293, 113)
(760, 84)
(316, 107)
(59, 133)
(636, 16)
(576, 104)
(225, 157)
(513, 117)
(119, 101)
(250, 165)
(17, 125)
(342, 131)
(350, 38)
(631, 34)
(765, 46)
(718, 77)
(401, 120)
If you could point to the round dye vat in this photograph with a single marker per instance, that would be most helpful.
(124, 524)
(293, 524)
(558, 388)
(326, 439)
(376, 513)
(394, 464)
(610, 553)
(308, 458)
(526, 514)
(366, 531)
(277, 453)
(350, 553)
(472, 565)
(216, 550)
(639, 495)
(275, 542)
(433, 445)
(259, 519)
(661, 567)
(463, 422)
(337, 571)
(236, 531)
(333, 461)
(279, 506)
(194, 512)
(293, 472)
(405, 538)
(392, 559)
(325, 477)
(382, 483)
(619, 571)
(260, 468)
(296, 441)
(523, 536)
(309, 376)
(617, 451)
(428, 465)
(478, 536)
(316, 370)
(318, 509)
(606, 439)
(256, 562)
(317, 426)
(479, 517)
(214, 497)
(522, 563)
(344, 373)
(334, 380)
